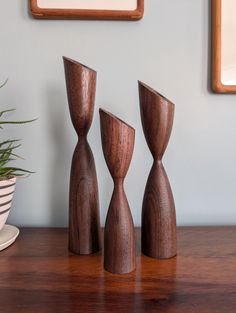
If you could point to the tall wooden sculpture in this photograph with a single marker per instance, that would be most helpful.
(84, 222)
(158, 211)
(119, 238)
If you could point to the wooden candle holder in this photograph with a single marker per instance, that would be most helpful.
(158, 211)
(84, 221)
(119, 239)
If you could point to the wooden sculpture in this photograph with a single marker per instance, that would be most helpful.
(119, 239)
(158, 211)
(84, 222)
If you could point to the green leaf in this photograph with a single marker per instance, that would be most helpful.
(17, 169)
(17, 156)
(8, 146)
(13, 171)
(11, 148)
(17, 122)
(6, 111)
(9, 141)
(5, 161)
(2, 85)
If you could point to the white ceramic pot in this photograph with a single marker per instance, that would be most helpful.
(7, 188)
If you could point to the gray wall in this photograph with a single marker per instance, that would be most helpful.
(168, 49)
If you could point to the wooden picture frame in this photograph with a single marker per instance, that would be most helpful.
(216, 51)
(42, 9)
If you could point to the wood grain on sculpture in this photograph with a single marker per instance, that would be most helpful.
(84, 220)
(119, 238)
(158, 210)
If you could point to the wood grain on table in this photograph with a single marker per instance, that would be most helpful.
(39, 274)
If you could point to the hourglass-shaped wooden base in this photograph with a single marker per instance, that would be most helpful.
(119, 237)
(84, 222)
(158, 211)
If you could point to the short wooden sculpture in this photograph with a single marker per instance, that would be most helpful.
(158, 211)
(84, 221)
(119, 239)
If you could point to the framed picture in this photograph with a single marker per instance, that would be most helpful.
(224, 46)
(88, 9)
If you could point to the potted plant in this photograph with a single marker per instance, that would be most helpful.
(8, 173)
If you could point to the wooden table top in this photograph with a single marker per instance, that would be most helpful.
(38, 275)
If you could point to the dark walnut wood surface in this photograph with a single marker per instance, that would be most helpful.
(39, 274)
